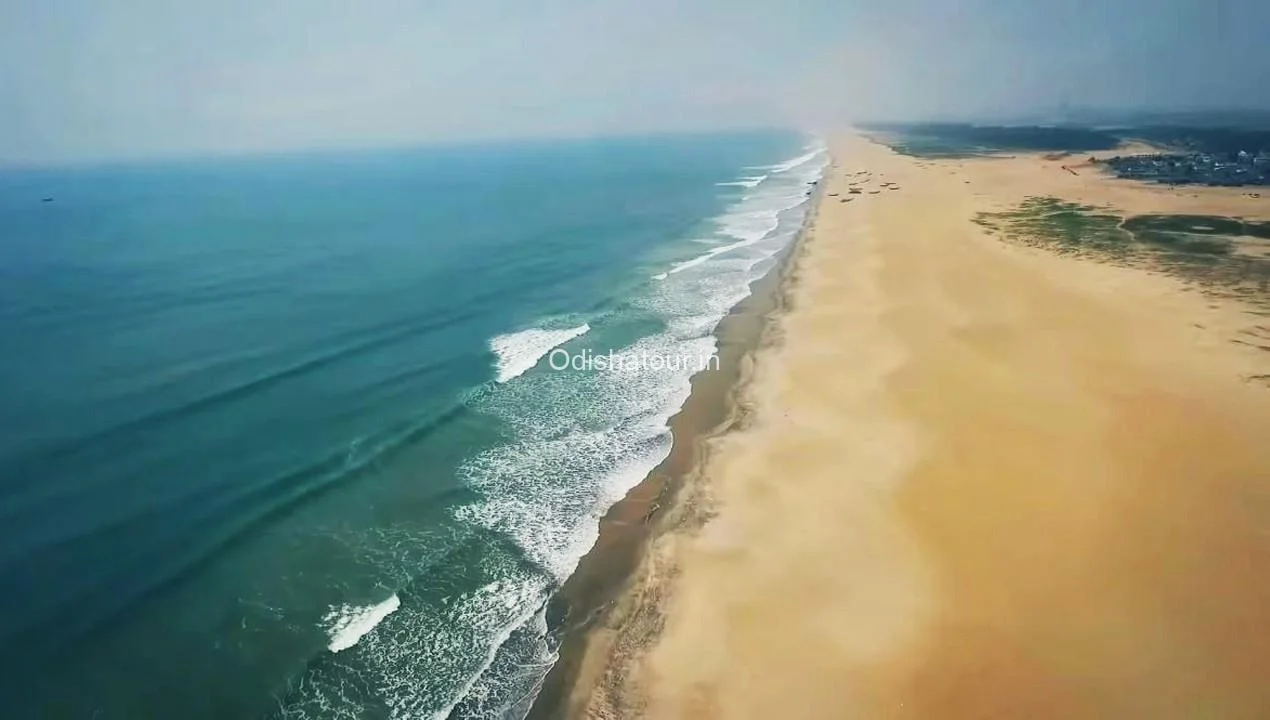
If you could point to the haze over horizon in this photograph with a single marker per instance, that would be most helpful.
(86, 80)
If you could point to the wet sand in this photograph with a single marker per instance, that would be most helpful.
(976, 480)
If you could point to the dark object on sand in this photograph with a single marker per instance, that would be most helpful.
(854, 191)
(833, 194)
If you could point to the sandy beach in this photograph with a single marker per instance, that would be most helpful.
(975, 478)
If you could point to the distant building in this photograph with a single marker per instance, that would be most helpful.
(1215, 169)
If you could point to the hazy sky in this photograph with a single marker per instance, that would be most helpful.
(84, 79)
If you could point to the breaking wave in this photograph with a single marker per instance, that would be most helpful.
(519, 352)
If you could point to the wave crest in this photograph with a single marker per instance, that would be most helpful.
(519, 352)
(349, 623)
(745, 182)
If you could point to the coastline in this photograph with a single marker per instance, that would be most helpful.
(975, 478)
(599, 592)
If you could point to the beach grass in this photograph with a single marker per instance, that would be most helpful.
(1063, 226)
(1208, 250)
(1198, 225)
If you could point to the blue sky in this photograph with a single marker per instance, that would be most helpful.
(89, 79)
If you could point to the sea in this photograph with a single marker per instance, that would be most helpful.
(304, 435)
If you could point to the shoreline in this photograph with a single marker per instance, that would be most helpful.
(977, 479)
(589, 599)
(963, 476)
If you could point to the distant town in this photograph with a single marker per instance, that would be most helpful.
(1196, 168)
(1218, 154)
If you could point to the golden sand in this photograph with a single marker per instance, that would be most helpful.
(979, 480)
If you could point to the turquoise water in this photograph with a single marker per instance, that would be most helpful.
(280, 436)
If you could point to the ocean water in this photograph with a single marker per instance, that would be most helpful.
(281, 437)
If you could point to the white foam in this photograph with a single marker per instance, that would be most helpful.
(495, 600)
(577, 443)
(520, 351)
(496, 695)
(423, 663)
(582, 440)
(685, 265)
(795, 162)
(745, 182)
(756, 216)
(349, 623)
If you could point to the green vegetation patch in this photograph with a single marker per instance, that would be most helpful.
(1072, 226)
(1184, 242)
(968, 140)
(1202, 249)
(927, 146)
(1048, 220)
(1197, 225)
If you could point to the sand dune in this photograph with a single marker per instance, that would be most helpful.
(978, 480)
